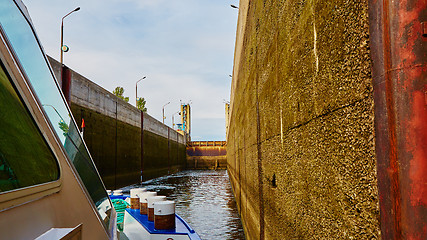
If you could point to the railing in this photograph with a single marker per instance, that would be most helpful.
(207, 144)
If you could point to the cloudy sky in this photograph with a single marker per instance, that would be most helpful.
(185, 49)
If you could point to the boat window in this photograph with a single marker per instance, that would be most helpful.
(26, 48)
(25, 158)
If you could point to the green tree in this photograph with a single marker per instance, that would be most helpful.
(140, 104)
(64, 127)
(119, 91)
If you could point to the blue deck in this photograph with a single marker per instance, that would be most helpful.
(182, 227)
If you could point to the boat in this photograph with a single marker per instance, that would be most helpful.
(49, 186)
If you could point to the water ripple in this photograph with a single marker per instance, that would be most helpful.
(204, 199)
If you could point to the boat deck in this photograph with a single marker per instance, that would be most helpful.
(182, 227)
(132, 216)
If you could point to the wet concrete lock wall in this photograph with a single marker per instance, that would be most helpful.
(113, 135)
(117, 153)
(300, 145)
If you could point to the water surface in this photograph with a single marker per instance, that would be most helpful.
(204, 199)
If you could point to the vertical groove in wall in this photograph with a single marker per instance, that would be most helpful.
(142, 146)
(259, 156)
(260, 177)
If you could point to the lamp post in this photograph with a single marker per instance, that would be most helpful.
(233, 6)
(62, 31)
(163, 111)
(136, 91)
(173, 122)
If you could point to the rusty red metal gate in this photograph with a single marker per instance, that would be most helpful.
(398, 48)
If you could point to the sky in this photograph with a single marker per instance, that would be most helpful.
(185, 49)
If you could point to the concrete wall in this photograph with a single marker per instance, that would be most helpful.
(113, 135)
(300, 145)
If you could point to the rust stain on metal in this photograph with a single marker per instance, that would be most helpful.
(394, 165)
(417, 146)
(400, 82)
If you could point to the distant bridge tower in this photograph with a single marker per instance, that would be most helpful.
(185, 126)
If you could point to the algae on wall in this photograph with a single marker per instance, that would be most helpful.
(300, 146)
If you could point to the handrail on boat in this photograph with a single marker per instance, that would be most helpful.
(185, 223)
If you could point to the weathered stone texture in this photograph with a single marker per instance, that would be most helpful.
(301, 118)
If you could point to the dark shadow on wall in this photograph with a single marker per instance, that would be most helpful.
(115, 147)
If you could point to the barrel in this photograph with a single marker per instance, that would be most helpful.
(150, 205)
(164, 215)
(118, 192)
(134, 197)
(143, 201)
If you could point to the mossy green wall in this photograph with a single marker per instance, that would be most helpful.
(300, 146)
(115, 147)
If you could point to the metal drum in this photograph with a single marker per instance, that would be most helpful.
(164, 215)
(134, 197)
(150, 202)
(143, 201)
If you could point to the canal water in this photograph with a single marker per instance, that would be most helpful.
(204, 199)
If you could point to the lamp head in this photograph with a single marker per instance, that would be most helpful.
(65, 48)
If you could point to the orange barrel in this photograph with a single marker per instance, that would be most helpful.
(150, 205)
(134, 197)
(164, 215)
(143, 201)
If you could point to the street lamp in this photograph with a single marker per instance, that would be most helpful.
(173, 122)
(65, 48)
(233, 6)
(136, 91)
(163, 111)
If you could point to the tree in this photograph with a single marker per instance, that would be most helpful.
(119, 91)
(140, 104)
